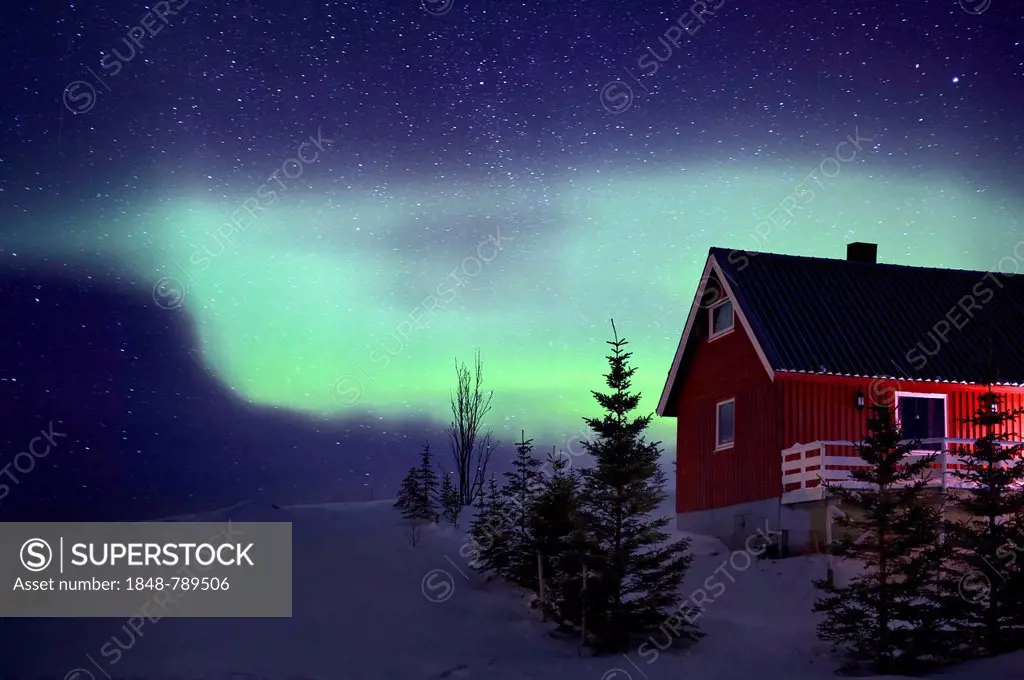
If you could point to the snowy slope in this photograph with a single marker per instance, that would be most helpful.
(363, 610)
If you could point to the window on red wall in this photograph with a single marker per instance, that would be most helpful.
(725, 424)
(922, 417)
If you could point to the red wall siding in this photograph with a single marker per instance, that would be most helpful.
(964, 402)
(727, 367)
(773, 416)
(824, 407)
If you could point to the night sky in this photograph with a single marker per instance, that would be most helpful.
(242, 243)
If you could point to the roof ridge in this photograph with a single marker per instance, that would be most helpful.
(842, 260)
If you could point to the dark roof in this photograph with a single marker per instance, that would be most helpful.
(841, 317)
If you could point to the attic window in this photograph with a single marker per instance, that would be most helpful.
(721, 319)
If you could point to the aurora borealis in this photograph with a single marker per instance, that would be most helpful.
(251, 261)
(528, 274)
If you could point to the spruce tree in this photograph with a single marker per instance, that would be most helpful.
(887, 617)
(409, 489)
(490, 530)
(451, 501)
(984, 593)
(411, 502)
(520, 491)
(426, 502)
(556, 526)
(637, 570)
(477, 527)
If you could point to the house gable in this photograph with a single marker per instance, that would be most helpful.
(714, 286)
(859, 317)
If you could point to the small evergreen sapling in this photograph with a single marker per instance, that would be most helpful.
(410, 501)
(409, 489)
(451, 501)
(476, 525)
(423, 504)
(556, 528)
(490, 530)
(520, 491)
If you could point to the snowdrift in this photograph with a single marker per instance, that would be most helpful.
(369, 606)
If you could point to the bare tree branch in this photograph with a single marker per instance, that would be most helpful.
(471, 449)
(413, 531)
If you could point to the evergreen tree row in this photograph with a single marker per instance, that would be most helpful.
(942, 581)
(587, 541)
(425, 500)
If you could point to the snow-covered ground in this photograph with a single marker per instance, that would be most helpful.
(368, 606)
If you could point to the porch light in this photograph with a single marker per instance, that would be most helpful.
(860, 400)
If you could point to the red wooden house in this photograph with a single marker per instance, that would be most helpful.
(781, 355)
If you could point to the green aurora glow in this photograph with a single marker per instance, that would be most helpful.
(304, 309)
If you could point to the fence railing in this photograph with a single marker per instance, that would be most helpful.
(806, 466)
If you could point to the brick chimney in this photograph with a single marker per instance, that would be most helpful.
(862, 252)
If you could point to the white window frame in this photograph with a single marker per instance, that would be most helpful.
(718, 424)
(924, 395)
(712, 335)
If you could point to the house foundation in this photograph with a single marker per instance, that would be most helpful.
(804, 526)
(734, 524)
